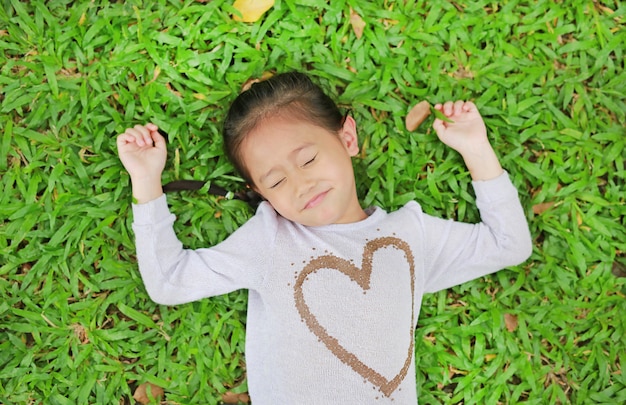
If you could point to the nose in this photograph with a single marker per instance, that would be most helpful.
(304, 183)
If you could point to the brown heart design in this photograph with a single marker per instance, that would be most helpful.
(361, 276)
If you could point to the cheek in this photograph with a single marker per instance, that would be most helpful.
(284, 208)
(342, 168)
(279, 201)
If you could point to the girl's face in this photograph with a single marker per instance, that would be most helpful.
(304, 171)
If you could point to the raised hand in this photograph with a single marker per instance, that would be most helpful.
(143, 152)
(467, 135)
(466, 132)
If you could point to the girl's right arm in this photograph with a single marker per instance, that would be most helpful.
(142, 151)
(172, 274)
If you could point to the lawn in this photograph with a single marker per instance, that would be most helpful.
(76, 325)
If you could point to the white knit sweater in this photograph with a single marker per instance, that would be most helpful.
(332, 309)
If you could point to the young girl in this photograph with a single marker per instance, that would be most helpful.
(334, 289)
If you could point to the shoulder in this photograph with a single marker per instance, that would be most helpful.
(265, 220)
(410, 206)
(409, 215)
(410, 209)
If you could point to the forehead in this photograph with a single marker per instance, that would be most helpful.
(279, 133)
(278, 139)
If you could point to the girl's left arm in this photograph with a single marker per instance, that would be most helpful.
(460, 252)
(457, 252)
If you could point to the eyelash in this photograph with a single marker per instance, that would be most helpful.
(283, 179)
(277, 183)
(310, 161)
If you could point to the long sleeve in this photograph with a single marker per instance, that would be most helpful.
(333, 306)
(174, 275)
(459, 252)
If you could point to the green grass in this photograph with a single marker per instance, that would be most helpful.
(76, 325)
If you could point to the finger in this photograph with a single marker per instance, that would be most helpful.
(439, 126)
(136, 134)
(144, 134)
(458, 106)
(157, 138)
(469, 106)
(124, 139)
(152, 127)
(141, 134)
(448, 107)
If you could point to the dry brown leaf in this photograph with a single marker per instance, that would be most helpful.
(618, 269)
(155, 75)
(542, 207)
(251, 81)
(232, 398)
(417, 115)
(510, 321)
(175, 92)
(246, 86)
(358, 25)
(141, 393)
(453, 371)
(251, 10)
(81, 333)
(579, 218)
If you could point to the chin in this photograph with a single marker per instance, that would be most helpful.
(312, 221)
(314, 217)
(322, 220)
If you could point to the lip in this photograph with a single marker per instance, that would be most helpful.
(316, 200)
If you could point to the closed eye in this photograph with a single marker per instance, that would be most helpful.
(309, 161)
(278, 183)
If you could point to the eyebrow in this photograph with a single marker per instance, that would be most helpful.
(292, 153)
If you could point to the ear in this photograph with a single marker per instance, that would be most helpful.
(348, 136)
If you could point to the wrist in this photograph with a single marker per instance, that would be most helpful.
(146, 189)
(482, 163)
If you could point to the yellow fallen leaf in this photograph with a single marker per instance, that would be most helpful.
(251, 10)
(357, 23)
(490, 356)
(453, 371)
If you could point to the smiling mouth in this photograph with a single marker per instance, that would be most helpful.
(315, 201)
